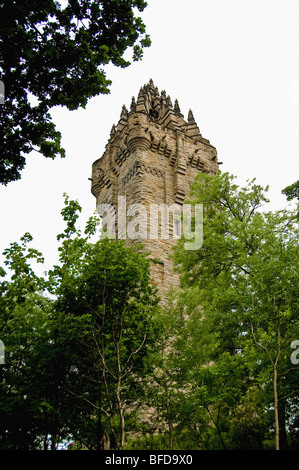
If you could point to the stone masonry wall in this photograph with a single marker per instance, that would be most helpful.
(152, 157)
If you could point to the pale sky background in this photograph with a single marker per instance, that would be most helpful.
(235, 63)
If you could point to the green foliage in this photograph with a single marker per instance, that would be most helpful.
(248, 424)
(244, 278)
(292, 191)
(29, 403)
(104, 310)
(76, 343)
(89, 351)
(52, 55)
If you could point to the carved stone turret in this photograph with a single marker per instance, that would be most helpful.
(152, 156)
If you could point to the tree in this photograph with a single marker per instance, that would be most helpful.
(76, 341)
(211, 376)
(292, 191)
(244, 277)
(104, 316)
(53, 55)
(161, 384)
(23, 279)
(30, 400)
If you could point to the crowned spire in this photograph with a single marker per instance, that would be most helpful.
(190, 117)
(158, 106)
(140, 106)
(192, 129)
(124, 112)
(133, 104)
(123, 118)
(113, 130)
(177, 109)
(151, 84)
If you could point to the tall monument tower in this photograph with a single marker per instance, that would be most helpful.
(151, 158)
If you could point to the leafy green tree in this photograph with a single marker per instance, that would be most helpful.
(29, 408)
(33, 405)
(104, 317)
(212, 376)
(161, 384)
(22, 282)
(292, 191)
(244, 279)
(54, 55)
(76, 342)
(248, 426)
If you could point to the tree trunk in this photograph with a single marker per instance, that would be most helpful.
(283, 441)
(276, 408)
(118, 399)
(169, 420)
(100, 430)
(215, 422)
(121, 417)
(275, 381)
(106, 441)
(53, 442)
(122, 430)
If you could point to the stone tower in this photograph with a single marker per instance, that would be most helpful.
(151, 158)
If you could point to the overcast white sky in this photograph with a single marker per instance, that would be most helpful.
(235, 63)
